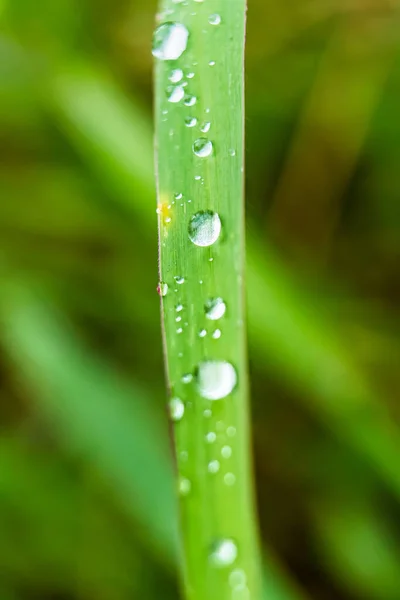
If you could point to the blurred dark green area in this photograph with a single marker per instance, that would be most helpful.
(87, 507)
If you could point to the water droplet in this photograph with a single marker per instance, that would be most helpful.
(179, 307)
(179, 331)
(170, 41)
(237, 578)
(231, 431)
(216, 379)
(204, 228)
(206, 126)
(207, 413)
(187, 378)
(162, 289)
(190, 75)
(184, 455)
(213, 466)
(226, 452)
(232, 152)
(202, 147)
(179, 280)
(184, 486)
(175, 93)
(212, 63)
(178, 196)
(214, 19)
(176, 409)
(217, 334)
(197, 177)
(190, 121)
(211, 437)
(190, 100)
(215, 309)
(176, 75)
(229, 479)
(178, 319)
(224, 553)
(202, 333)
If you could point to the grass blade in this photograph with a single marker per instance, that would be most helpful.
(201, 220)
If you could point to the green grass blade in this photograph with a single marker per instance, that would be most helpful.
(200, 186)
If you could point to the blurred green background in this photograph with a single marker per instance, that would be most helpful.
(87, 508)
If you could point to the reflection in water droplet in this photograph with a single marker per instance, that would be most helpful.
(226, 452)
(162, 289)
(170, 41)
(184, 486)
(176, 409)
(213, 466)
(224, 553)
(216, 379)
(176, 75)
(202, 147)
(190, 121)
(214, 19)
(204, 228)
(215, 309)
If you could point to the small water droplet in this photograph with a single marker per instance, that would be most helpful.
(176, 75)
(162, 289)
(237, 578)
(213, 466)
(190, 121)
(179, 307)
(178, 319)
(202, 147)
(179, 331)
(179, 279)
(190, 75)
(178, 196)
(187, 378)
(202, 333)
(176, 409)
(215, 309)
(190, 100)
(214, 19)
(226, 452)
(184, 486)
(217, 334)
(212, 63)
(232, 152)
(204, 228)
(206, 126)
(207, 413)
(231, 431)
(216, 379)
(197, 177)
(211, 437)
(170, 41)
(224, 553)
(229, 479)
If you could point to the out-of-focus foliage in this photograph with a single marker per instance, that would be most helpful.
(86, 503)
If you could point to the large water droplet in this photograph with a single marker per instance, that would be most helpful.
(216, 379)
(202, 147)
(176, 409)
(170, 41)
(175, 93)
(214, 19)
(215, 309)
(204, 228)
(224, 553)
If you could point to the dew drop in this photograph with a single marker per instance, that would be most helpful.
(216, 379)
(232, 152)
(214, 19)
(224, 553)
(237, 578)
(231, 431)
(217, 334)
(226, 452)
(162, 289)
(190, 121)
(206, 126)
(179, 280)
(212, 63)
(184, 486)
(176, 75)
(202, 333)
(202, 147)
(179, 307)
(179, 331)
(211, 437)
(190, 75)
(176, 409)
(207, 413)
(215, 309)
(204, 228)
(178, 319)
(187, 378)
(170, 41)
(213, 466)
(229, 479)
(178, 196)
(190, 100)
